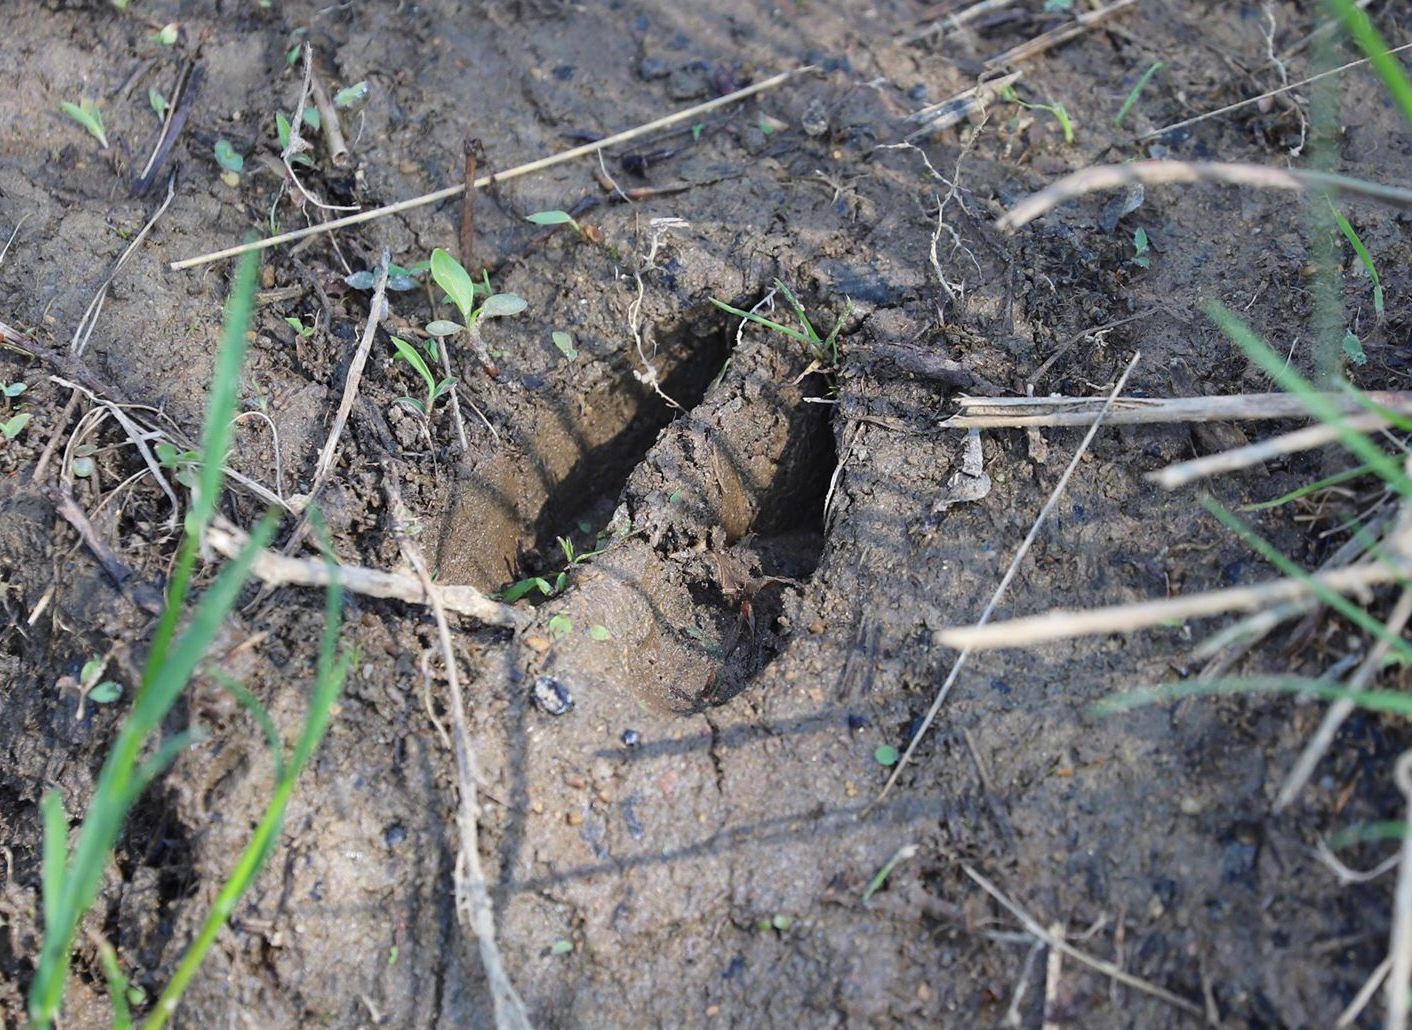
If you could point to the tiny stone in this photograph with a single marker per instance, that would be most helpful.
(552, 697)
(574, 818)
(631, 738)
(394, 835)
(231, 179)
(923, 992)
(407, 167)
(537, 807)
(1191, 806)
(817, 626)
(573, 781)
(540, 644)
(713, 1010)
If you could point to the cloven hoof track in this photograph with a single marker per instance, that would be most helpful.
(716, 516)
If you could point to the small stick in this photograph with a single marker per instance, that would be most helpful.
(510, 173)
(1009, 575)
(1014, 412)
(1152, 173)
(1350, 1015)
(1061, 624)
(1084, 334)
(296, 144)
(276, 570)
(1047, 41)
(141, 594)
(1342, 708)
(1052, 968)
(1319, 435)
(1032, 927)
(350, 391)
(472, 896)
(329, 123)
(177, 114)
(1400, 947)
(945, 26)
(468, 206)
(1263, 96)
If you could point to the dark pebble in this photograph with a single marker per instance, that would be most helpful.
(552, 697)
(564, 72)
(394, 835)
(631, 738)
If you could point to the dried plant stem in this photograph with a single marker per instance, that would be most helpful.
(999, 412)
(945, 26)
(1342, 708)
(1082, 22)
(1020, 553)
(510, 173)
(277, 570)
(1061, 624)
(1153, 173)
(1400, 948)
(472, 895)
(329, 124)
(1055, 943)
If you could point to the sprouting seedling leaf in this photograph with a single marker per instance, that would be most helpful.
(227, 157)
(312, 118)
(158, 102)
(1353, 347)
(599, 633)
(561, 947)
(561, 625)
(293, 54)
(1142, 82)
(105, 693)
(14, 389)
(886, 754)
(453, 278)
(565, 342)
(553, 218)
(499, 305)
(1141, 257)
(86, 113)
(282, 128)
(1356, 242)
(1060, 113)
(350, 95)
(12, 427)
(167, 34)
(444, 327)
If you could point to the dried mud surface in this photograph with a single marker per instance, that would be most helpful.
(738, 651)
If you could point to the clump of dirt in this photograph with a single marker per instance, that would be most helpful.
(679, 751)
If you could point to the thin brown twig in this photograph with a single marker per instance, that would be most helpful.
(129, 584)
(510, 173)
(1153, 173)
(472, 895)
(1034, 929)
(468, 207)
(951, 22)
(1082, 22)
(1020, 553)
(276, 570)
(1014, 412)
(1400, 946)
(1062, 624)
(329, 124)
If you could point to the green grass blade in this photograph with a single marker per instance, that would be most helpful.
(1356, 242)
(1375, 48)
(251, 704)
(1367, 833)
(793, 334)
(1332, 598)
(117, 986)
(164, 756)
(56, 855)
(813, 336)
(1317, 404)
(332, 672)
(1305, 491)
(1367, 403)
(1136, 91)
(1387, 701)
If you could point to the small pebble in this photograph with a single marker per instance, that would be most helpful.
(394, 835)
(631, 738)
(713, 1010)
(574, 818)
(817, 626)
(552, 697)
(1191, 806)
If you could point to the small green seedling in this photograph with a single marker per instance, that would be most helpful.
(885, 754)
(228, 158)
(561, 626)
(297, 324)
(561, 947)
(1356, 242)
(350, 95)
(158, 102)
(13, 426)
(282, 128)
(104, 693)
(1141, 257)
(12, 390)
(1142, 82)
(399, 279)
(457, 282)
(1353, 347)
(185, 465)
(825, 349)
(86, 113)
(167, 34)
(565, 342)
(1057, 110)
(526, 586)
(435, 388)
(554, 218)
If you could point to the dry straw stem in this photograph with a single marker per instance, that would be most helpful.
(510, 173)
(1263, 96)
(1056, 943)
(1342, 708)
(951, 22)
(1155, 173)
(277, 570)
(328, 122)
(1020, 553)
(1319, 435)
(1082, 22)
(1400, 949)
(997, 412)
(1062, 624)
(472, 894)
